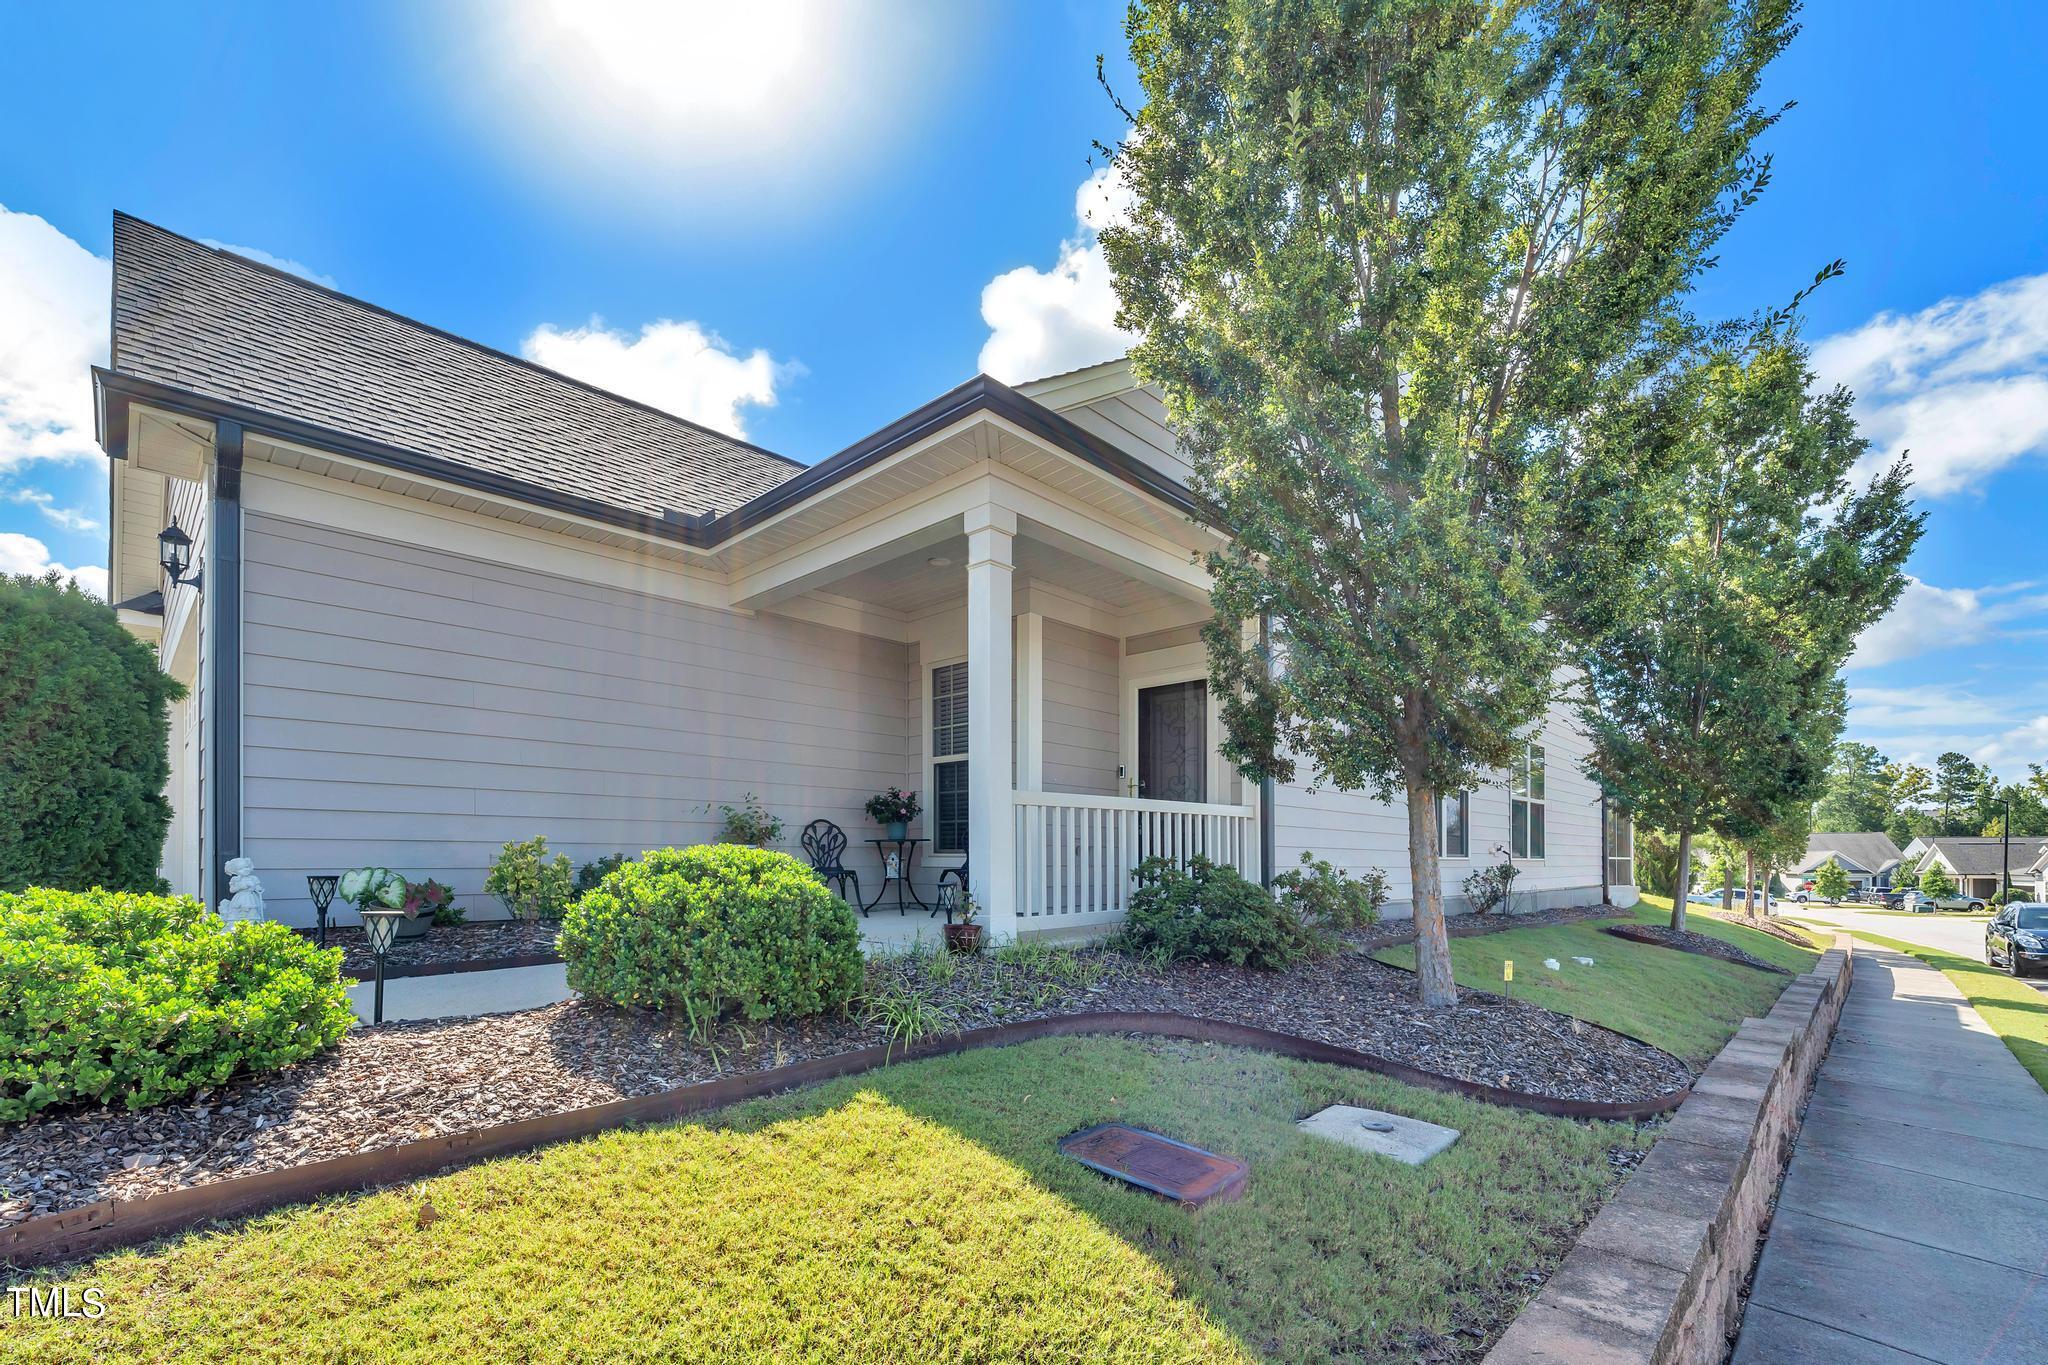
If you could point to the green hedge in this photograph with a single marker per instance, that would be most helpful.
(1209, 912)
(714, 930)
(108, 997)
(84, 743)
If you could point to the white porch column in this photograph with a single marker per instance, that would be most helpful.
(991, 813)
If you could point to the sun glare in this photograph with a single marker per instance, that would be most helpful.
(724, 98)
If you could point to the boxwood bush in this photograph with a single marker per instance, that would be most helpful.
(1209, 912)
(714, 930)
(108, 997)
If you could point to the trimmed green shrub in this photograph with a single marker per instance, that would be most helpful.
(1207, 912)
(108, 997)
(714, 930)
(528, 883)
(595, 871)
(1324, 897)
(84, 743)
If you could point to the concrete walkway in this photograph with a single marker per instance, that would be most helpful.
(452, 993)
(1913, 1222)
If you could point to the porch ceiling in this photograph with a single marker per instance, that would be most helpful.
(912, 583)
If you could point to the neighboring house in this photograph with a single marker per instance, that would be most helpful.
(1976, 864)
(2036, 877)
(1871, 860)
(447, 598)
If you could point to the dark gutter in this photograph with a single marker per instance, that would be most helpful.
(223, 589)
(980, 394)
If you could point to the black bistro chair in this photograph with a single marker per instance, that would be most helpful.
(952, 886)
(824, 843)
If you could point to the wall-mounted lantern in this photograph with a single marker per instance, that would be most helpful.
(174, 552)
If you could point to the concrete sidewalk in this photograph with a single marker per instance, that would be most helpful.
(453, 993)
(1913, 1221)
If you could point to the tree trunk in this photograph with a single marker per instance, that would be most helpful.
(1432, 940)
(1681, 884)
(1748, 884)
(1728, 885)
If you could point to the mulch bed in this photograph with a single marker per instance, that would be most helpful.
(1686, 941)
(456, 947)
(412, 1080)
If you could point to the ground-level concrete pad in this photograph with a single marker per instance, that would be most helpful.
(1911, 1223)
(1381, 1133)
(1949, 1215)
(1925, 1301)
(458, 993)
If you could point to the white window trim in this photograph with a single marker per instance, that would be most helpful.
(1532, 802)
(928, 798)
(1443, 842)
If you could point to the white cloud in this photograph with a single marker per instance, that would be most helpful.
(2010, 753)
(26, 554)
(284, 263)
(677, 367)
(1962, 385)
(53, 328)
(1922, 706)
(1927, 618)
(1044, 322)
(65, 518)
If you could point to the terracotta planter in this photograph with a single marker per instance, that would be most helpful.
(963, 938)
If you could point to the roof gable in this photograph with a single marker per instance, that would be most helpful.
(214, 324)
(1871, 852)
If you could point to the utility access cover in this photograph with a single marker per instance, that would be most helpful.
(1154, 1162)
(1373, 1130)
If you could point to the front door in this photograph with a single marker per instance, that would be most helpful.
(1173, 751)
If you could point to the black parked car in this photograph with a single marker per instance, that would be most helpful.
(2017, 938)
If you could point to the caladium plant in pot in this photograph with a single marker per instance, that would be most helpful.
(372, 887)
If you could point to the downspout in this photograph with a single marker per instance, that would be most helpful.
(224, 644)
(1266, 788)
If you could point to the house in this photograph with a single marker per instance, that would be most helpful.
(1977, 864)
(442, 598)
(1869, 859)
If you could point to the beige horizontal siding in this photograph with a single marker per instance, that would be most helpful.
(414, 708)
(1082, 710)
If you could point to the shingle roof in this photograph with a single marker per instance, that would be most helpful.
(216, 324)
(1980, 857)
(1872, 853)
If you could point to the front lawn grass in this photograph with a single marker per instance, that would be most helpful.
(916, 1213)
(2015, 1011)
(1685, 1003)
(1935, 914)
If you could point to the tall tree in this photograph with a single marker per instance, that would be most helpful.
(1907, 789)
(1958, 786)
(84, 743)
(1384, 261)
(1855, 796)
(1718, 709)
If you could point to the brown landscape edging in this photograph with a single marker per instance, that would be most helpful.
(1635, 933)
(111, 1223)
(1657, 1276)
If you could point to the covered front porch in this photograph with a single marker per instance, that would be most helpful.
(1062, 727)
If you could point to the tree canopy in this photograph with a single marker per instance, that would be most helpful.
(84, 743)
(1712, 655)
(1387, 263)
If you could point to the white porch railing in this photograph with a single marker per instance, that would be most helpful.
(1076, 854)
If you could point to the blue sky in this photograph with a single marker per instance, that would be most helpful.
(800, 223)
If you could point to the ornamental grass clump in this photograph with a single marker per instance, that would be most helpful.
(114, 998)
(712, 931)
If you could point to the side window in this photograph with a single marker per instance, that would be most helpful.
(949, 758)
(1454, 826)
(1526, 806)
